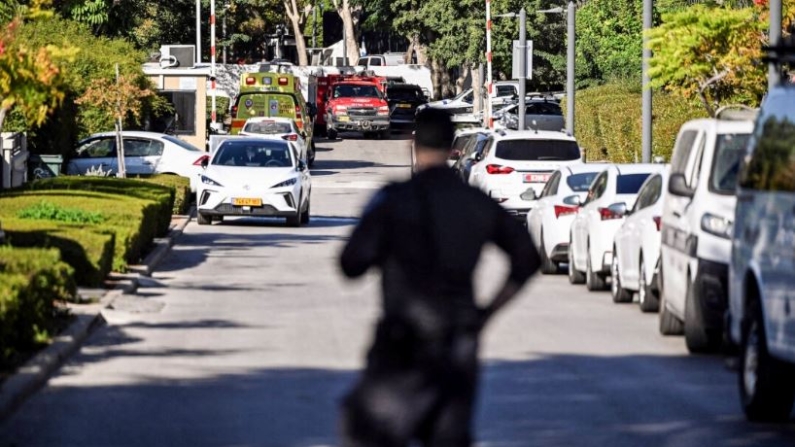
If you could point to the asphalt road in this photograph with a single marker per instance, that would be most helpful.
(247, 335)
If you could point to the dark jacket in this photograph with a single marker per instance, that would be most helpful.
(426, 235)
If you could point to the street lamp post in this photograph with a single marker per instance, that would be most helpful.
(227, 5)
(522, 68)
(571, 16)
(773, 75)
(198, 31)
(646, 113)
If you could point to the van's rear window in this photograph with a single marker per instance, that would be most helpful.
(630, 183)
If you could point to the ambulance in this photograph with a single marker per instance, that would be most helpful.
(272, 95)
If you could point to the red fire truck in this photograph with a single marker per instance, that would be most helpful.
(353, 103)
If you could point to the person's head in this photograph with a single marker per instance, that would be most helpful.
(433, 137)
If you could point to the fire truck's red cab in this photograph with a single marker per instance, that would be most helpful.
(353, 103)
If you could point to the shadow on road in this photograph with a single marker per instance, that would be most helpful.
(329, 165)
(551, 401)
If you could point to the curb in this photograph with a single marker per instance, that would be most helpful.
(37, 371)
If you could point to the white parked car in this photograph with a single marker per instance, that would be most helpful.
(462, 138)
(145, 153)
(549, 221)
(697, 220)
(283, 128)
(636, 247)
(762, 269)
(602, 213)
(249, 176)
(515, 166)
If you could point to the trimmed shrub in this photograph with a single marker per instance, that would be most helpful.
(90, 253)
(183, 197)
(30, 281)
(608, 124)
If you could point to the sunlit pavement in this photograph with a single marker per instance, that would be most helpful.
(247, 336)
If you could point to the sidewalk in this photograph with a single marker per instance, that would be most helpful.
(36, 372)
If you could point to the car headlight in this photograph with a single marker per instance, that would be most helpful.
(208, 181)
(383, 110)
(716, 225)
(341, 109)
(289, 182)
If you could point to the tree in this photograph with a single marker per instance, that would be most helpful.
(31, 80)
(297, 12)
(710, 53)
(349, 13)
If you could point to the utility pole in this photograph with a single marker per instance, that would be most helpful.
(646, 134)
(570, 22)
(314, 26)
(773, 75)
(488, 122)
(522, 68)
(227, 5)
(213, 114)
(198, 31)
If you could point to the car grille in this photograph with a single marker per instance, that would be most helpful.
(362, 112)
(228, 209)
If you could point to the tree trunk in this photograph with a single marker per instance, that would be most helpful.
(3, 113)
(343, 8)
(476, 87)
(291, 8)
(462, 78)
(436, 78)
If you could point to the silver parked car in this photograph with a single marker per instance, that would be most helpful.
(145, 153)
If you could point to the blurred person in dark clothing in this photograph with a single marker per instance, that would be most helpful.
(426, 235)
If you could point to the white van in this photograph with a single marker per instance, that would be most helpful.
(696, 228)
(762, 271)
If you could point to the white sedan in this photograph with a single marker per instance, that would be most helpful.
(249, 176)
(612, 192)
(637, 247)
(145, 153)
(549, 221)
(284, 128)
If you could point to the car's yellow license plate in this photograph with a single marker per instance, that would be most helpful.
(404, 106)
(343, 119)
(244, 201)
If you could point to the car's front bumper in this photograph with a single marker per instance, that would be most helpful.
(282, 202)
(374, 124)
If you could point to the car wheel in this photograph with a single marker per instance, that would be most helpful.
(593, 282)
(620, 294)
(669, 324)
(305, 214)
(766, 386)
(548, 267)
(203, 219)
(575, 277)
(294, 220)
(697, 338)
(649, 301)
(218, 219)
(331, 133)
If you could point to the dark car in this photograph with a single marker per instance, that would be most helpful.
(470, 155)
(403, 101)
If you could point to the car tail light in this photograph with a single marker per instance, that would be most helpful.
(498, 169)
(250, 80)
(562, 210)
(200, 160)
(608, 214)
(657, 221)
(290, 137)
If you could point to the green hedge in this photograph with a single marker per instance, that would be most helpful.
(30, 281)
(89, 252)
(608, 119)
(183, 197)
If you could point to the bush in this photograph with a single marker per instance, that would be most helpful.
(609, 120)
(30, 281)
(183, 197)
(50, 211)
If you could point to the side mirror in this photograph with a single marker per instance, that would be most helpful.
(573, 200)
(619, 209)
(530, 194)
(677, 185)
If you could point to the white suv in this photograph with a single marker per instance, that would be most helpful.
(762, 268)
(696, 228)
(515, 166)
(611, 194)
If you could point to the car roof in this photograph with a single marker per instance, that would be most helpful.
(130, 133)
(251, 138)
(533, 135)
(280, 119)
(721, 126)
(638, 168)
(470, 131)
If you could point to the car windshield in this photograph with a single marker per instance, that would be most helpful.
(404, 93)
(537, 150)
(268, 127)
(543, 108)
(184, 145)
(630, 183)
(581, 182)
(253, 154)
(356, 91)
(729, 151)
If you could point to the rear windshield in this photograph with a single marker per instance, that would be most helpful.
(404, 93)
(630, 183)
(729, 151)
(544, 108)
(182, 144)
(268, 127)
(581, 182)
(537, 150)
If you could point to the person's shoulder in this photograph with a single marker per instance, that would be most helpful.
(383, 196)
